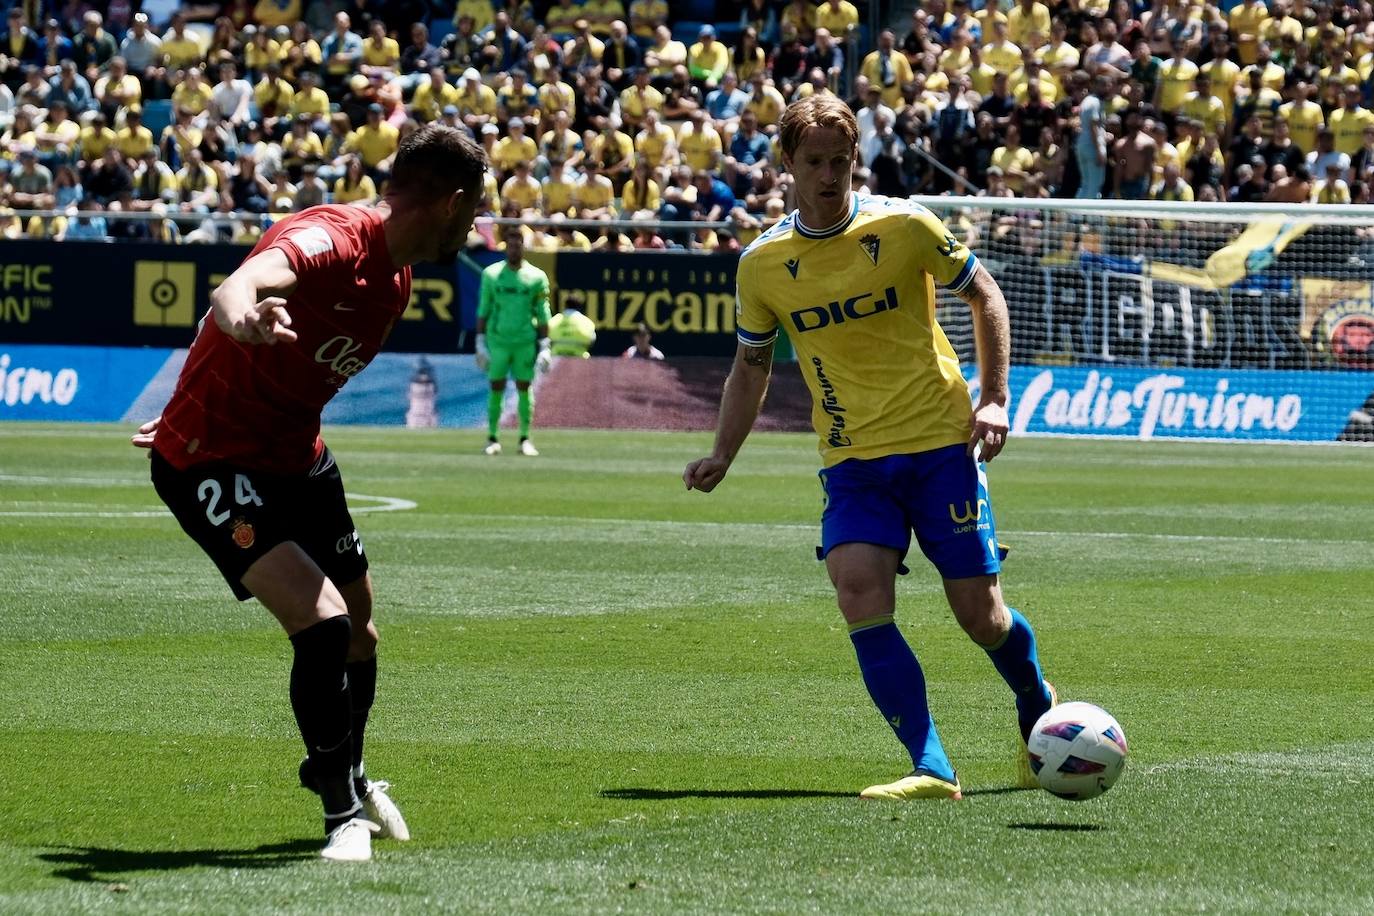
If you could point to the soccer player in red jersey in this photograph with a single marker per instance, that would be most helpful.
(237, 454)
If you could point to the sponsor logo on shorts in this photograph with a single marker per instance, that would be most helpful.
(244, 535)
(969, 517)
(348, 542)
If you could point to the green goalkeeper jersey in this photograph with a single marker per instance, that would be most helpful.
(513, 303)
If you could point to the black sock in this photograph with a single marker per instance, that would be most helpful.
(319, 698)
(362, 689)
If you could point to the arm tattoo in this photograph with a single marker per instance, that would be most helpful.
(758, 356)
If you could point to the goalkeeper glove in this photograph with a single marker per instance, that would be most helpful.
(544, 360)
(483, 357)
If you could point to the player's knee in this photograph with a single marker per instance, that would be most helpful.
(985, 621)
(364, 642)
(861, 598)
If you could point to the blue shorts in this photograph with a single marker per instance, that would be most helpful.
(941, 495)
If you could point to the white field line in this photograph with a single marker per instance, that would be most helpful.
(784, 526)
(383, 504)
(395, 504)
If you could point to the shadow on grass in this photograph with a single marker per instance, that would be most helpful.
(1001, 790)
(1062, 828)
(669, 794)
(92, 864)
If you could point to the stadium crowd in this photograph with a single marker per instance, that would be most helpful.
(595, 109)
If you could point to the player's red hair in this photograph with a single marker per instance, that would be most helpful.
(819, 110)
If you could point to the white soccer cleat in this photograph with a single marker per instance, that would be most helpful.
(351, 841)
(528, 450)
(382, 811)
(493, 448)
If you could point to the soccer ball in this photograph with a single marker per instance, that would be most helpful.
(1077, 751)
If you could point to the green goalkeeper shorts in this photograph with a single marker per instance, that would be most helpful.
(508, 361)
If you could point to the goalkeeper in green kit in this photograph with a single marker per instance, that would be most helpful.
(513, 335)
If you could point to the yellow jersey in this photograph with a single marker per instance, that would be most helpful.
(857, 300)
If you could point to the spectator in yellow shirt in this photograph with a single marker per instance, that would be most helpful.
(1332, 189)
(708, 59)
(1304, 118)
(562, 142)
(311, 99)
(375, 142)
(557, 189)
(612, 152)
(656, 144)
(1247, 22)
(522, 188)
(1028, 18)
(355, 185)
(594, 195)
(133, 138)
(262, 50)
(1000, 53)
(641, 192)
(1348, 122)
(839, 17)
(637, 100)
(888, 69)
(180, 49)
(665, 54)
(476, 100)
(1013, 159)
(699, 143)
(1175, 76)
(800, 16)
(646, 16)
(95, 139)
(1201, 105)
(515, 147)
(273, 96)
(765, 101)
(193, 93)
(273, 13)
(433, 95)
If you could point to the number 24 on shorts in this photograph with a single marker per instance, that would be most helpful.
(210, 492)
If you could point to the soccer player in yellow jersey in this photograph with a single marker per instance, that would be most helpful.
(852, 280)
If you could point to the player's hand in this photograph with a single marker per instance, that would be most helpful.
(480, 352)
(705, 473)
(989, 425)
(544, 360)
(144, 437)
(265, 323)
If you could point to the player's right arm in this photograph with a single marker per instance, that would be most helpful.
(744, 389)
(250, 305)
(739, 408)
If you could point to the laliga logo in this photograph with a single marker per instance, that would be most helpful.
(337, 353)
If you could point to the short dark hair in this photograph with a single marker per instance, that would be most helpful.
(437, 160)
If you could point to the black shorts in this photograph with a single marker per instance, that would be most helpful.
(237, 515)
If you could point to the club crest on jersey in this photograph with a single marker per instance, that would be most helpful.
(869, 244)
(792, 266)
(244, 535)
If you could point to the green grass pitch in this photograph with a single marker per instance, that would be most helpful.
(600, 692)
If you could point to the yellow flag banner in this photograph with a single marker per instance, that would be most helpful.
(1250, 252)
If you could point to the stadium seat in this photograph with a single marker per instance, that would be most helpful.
(157, 114)
(728, 33)
(440, 27)
(687, 32)
(704, 10)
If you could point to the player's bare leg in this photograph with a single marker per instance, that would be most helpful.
(865, 578)
(314, 615)
(362, 689)
(1009, 641)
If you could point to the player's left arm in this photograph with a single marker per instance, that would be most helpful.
(544, 359)
(992, 335)
(952, 265)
